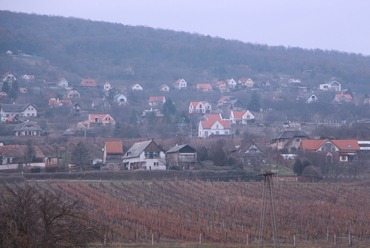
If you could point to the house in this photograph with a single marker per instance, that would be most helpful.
(113, 153)
(120, 98)
(164, 87)
(207, 128)
(200, 107)
(88, 83)
(246, 82)
(180, 84)
(136, 87)
(308, 98)
(248, 153)
(100, 104)
(294, 80)
(95, 120)
(231, 83)
(225, 100)
(346, 150)
(204, 87)
(145, 155)
(23, 90)
(3, 94)
(241, 117)
(289, 139)
(183, 157)
(27, 128)
(156, 100)
(59, 103)
(129, 71)
(12, 120)
(222, 86)
(62, 83)
(157, 112)
(331, 86)
(107, 86)
(14, 154)
(72, 93)
(235, 105)
(20, 110)
(343, 98)
(68, 132)
(209, 117)
(76, 110)
(27, 78)
(9, 77)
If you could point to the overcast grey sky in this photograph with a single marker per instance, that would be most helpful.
(326, 24)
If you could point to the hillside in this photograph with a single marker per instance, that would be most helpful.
(83, 48)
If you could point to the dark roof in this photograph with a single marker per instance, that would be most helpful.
(15, 107)
(177, 148)
(249, 148)
(27, 126)
(136, 149)
(288, 134)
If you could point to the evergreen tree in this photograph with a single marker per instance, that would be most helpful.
(169, 107)
(13, 92)
(117, 132)
(297, 168)
(6, 87)
(29, 153)
(219, 158)
(80, 155)
(254, 104)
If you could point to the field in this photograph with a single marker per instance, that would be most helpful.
(223, 214)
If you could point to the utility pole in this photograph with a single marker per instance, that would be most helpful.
(267, 199)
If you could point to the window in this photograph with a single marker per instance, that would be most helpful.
(156, 164)
(206, 133)
(217, 132)
(349, 146)
(328, 147)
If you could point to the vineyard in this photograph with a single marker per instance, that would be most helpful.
(220, 212)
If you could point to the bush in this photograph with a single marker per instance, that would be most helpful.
(35, 170)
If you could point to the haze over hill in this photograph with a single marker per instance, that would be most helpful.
(101, 50)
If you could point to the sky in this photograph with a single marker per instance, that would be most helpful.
(340, 25)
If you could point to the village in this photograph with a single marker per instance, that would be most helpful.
(174, 127)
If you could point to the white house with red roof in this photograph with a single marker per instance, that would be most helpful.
(225, 100)
(72, 93)
(241, 117)
(100, 120)
(88, 83)
(136, 87)
(200, 107)
(62, 83)
(343, 98)
(113, 153)
(231, 83)
(204, 87)
(164, 87)
(156, 100)
(345, 149)
(8, 77)
(207, 128)
(246, 81)
(107, 86)
(180, 84)
(27, 78)
(222, 86)
(59, 103)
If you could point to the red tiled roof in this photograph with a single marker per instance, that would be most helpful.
(10, 118)
(156, 99)
(342, 145)
(219, 83)
(222, 99)
(243, 80)
(101, 118)
(239, 114)
(195, 104)
(6, 74)
(209, 124)
(213, 117)
(113, 147)
(312, 144)
(346, 96)
(88, 82)
(204, 86)
(178, 81)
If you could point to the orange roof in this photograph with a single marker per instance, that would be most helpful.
(342, 145)
(204, 86)
(57, 102)
(209, 124)
(88, 82)
(178, 81)
(156, 99)
(213, 117)
(113, 147)
(219, 83)
(239, 114)
(10, 118)
(346, 96)
(6, 74)
(222, 99)
(195, 104)
(163, 85)
(243, 80)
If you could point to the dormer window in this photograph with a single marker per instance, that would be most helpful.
(349, 146)
(96, 119)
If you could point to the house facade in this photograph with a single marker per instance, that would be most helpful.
(204, 87)
(120, 98)
(112, 156)
(231, 83)
(20, 110)
(200, 107)
(27, 128)
(27, 78)
(241, 117)
(184, 157)
(9, 77)
(72, 93)
(331, 86)
(207, 128)
(62, 83)
(156, 100)
(107, 86)
(289, 139)
(222, 86)
(180, 84)
(145, 155)
(246, 82)
(88, 83)
(136, 87)
(95, 120)
(343, 98)
(164, 87)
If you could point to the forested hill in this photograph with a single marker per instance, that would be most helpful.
(102, 50)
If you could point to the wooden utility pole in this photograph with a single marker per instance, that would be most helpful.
(267, 199)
